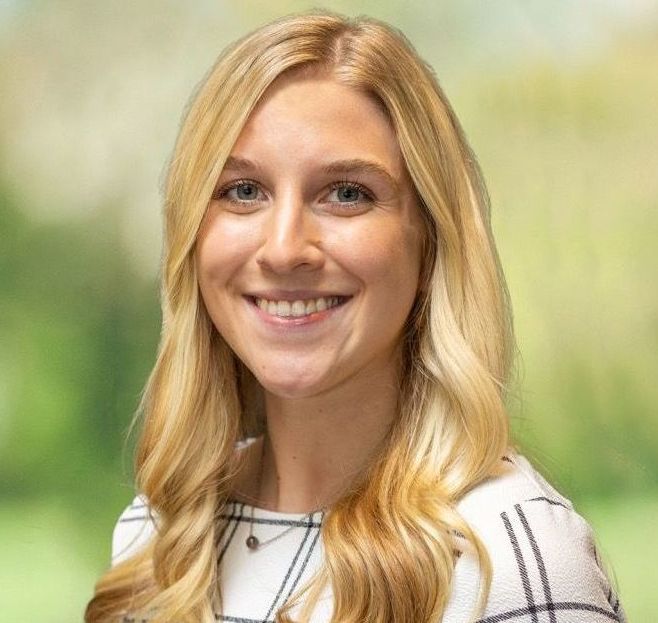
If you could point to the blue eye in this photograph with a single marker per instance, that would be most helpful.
(245, 191)
(248, 191)
(349, 192)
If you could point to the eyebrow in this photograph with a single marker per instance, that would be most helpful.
(352, 165)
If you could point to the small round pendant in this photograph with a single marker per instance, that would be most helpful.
(252, 542)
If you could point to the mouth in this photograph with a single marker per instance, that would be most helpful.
(301, 308)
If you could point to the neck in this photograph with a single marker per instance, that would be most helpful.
(314, 447)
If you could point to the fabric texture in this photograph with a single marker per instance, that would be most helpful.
(546, 567)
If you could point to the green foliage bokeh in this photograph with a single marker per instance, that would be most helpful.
(568, 141)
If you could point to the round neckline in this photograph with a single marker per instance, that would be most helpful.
(266, 513)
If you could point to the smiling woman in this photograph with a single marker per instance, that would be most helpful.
(296, 240)
(325, 435)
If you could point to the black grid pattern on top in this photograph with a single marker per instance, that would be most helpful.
(298, 562)
(535, 600)
(541, 603)
(226, 538)
(530, 611)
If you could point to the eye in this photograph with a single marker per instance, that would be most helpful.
(350, 193)
(238, 192)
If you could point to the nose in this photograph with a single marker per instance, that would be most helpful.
(291, 239)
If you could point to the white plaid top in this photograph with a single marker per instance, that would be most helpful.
(546, 568)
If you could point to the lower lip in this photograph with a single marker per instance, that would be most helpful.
(292, 322)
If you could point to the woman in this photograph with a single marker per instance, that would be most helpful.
(325, 435)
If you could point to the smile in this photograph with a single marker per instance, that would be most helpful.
(299, 308)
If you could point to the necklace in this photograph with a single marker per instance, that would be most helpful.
(253, 542)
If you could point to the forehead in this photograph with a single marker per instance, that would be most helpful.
(310, 116)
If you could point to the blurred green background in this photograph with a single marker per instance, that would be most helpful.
(559, 102)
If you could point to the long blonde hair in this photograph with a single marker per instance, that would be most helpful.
(388, 542)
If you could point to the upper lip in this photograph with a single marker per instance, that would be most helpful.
(293, 295)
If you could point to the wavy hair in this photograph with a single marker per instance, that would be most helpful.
(389, 540)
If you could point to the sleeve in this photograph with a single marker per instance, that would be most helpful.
(133, 530)
(545, 568)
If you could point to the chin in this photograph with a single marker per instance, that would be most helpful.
(292, 387)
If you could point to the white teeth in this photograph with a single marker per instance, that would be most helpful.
(283, 308)
(297, 308)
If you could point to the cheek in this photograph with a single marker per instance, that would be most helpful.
(385, 255)
(222, 248)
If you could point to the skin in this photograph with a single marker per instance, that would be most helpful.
(330, 389)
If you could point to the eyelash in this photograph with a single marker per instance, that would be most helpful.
(222, 192)
(355, 186)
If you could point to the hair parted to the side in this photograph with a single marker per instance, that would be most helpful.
(388, 542)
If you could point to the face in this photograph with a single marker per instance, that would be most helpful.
(308, 258)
